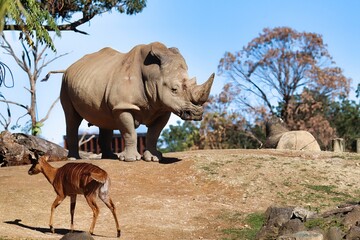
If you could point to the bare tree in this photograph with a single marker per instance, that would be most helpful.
(4, 69)
(279, 64)
(34, 19)
(32, 61)
(288, 73)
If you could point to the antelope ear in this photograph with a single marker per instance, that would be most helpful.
(32, 157)
(45, 158)
(37, 153)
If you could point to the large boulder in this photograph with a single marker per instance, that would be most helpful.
(16, 149)
(298, 140)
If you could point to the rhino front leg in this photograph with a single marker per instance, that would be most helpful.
(125, 121)
(153, 133)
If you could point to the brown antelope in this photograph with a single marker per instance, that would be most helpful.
(76, 178)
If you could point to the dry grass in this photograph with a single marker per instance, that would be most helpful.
(196, 195)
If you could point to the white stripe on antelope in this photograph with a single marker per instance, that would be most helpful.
(76, 178)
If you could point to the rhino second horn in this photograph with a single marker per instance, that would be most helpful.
(200, 93)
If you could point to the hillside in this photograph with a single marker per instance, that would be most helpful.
(190, 195)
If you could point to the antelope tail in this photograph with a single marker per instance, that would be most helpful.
(99, 177)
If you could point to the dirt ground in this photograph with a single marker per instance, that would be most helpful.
(189, 195)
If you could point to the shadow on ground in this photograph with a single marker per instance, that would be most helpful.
(60, 231)
(169, 160)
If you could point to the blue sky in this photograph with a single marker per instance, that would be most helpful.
(203, 30)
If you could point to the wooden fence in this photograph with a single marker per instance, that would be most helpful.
(117, 143)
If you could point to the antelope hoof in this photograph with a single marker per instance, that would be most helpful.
(52, 229)
(118, 233)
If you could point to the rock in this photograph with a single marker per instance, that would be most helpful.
(275, 217)
(16, 149)
(77, 236)
(352, 217)
(334, 233)
(354, 233)
(298, 140)
(291, 226)
(303, 235)
(302, 214)
(296, 223)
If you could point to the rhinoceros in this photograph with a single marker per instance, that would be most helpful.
(114, 90)
(279, 137)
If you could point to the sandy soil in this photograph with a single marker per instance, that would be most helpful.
(190, 195)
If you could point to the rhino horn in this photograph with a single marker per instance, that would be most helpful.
(200, 93)
(191, 82)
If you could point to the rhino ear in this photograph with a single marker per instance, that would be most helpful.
(174, 50)
(159, 51)
(151, 59)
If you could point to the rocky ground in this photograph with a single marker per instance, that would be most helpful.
(190, 195)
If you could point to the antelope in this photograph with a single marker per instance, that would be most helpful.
(72, 179)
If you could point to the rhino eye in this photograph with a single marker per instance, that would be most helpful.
(174, 90)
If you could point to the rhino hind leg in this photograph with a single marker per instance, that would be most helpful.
(73, 121)
(105, 142)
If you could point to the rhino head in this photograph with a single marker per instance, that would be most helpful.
(168, 84)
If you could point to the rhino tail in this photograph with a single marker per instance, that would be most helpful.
(51, 72)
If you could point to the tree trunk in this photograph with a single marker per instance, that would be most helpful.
(34, 131)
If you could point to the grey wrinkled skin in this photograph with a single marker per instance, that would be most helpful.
(114, 90)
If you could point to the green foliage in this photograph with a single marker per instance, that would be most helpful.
(36, 129)
(324, 118)
(325, 223)
(223, 127)
(180, 137)
(322, 188)
(329, 192)
(253, 223)
(31, 19)
(35, 18)
(4, 6)
(66, 9)
(345, 118)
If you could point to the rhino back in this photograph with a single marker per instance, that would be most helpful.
(90, 82)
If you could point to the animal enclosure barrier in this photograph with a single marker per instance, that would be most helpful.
(338, 145)
(118, 143)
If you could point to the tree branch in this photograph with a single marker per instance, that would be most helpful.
(15, 103)
(11, 52)
(82, 141)
(50, 61)
(50, 109)
(64, 27)
(262, 93)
